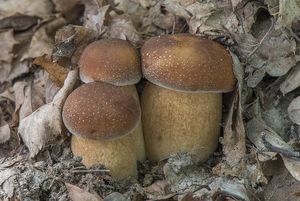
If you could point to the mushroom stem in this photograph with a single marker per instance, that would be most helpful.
(177, 122)
(118, 155)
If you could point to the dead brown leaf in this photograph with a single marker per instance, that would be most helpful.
(4, 133)
(51, 90)
(18, 22)
(70, 42)
(292, 81)
(78, 194)
(159, 190)
(7, 44)
(123, 28)
(29, 95)
(42, 41)
(45, 124)
(282, 186)
(56, 72)
(40, 8)
(294, 110)
(234, 140)
(96, 21)
(64, 6)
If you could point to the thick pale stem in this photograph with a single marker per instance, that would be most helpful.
(119, 155)
(177, 122)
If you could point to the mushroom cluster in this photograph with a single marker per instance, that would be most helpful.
(104, 114)
(181, 105)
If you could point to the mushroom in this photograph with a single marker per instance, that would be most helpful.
(182, 102)
(116, 62)
(103, 118)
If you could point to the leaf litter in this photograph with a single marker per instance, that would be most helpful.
(41, 45)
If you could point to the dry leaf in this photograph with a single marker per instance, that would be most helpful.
(289, 11)
(18, 22)
(185, 177)
(293, 166)
(294, 110)
(96, 21)
(7, 177)
(234, 144)
(116, 197)
(77, 194)
(45, 124)
(159, 190)
(43, 39)
(56, 72)
(4, 133)
(40, 8)
(51, 90)
(29, 95)
(123, 28)
(7, 44)
(70, 42)
(292, 81)
(64, 6)
(282, 186)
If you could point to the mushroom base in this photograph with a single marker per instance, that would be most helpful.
(180, 122)
(119, 156)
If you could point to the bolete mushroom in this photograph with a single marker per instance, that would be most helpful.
(182, 103)
(116, 62)
(102, 118)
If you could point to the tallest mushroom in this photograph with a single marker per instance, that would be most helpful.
(182, 103)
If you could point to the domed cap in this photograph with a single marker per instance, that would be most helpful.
(113, 61)
(184, 62)
(101, 111)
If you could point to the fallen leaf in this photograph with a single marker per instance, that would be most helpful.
(184, 177)
(42, 41)
(70, 42)
(294, 110)
(4, 133)
(40, 8)
(293, 166)
(116, 197)
(96, 21)
(77, 194)
(64, 6)
(159, 190)
(51, 90)
(123, 28)
(282, 186)
(289, 11)
(29, 95)
(18, 22)
(7, 177)
(234, 140)
(56, 72)
(45, 124)
(292, 81)
(7, 44)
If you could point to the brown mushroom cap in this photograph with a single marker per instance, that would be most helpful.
(113, 61)
(101, 111)
(184, 62)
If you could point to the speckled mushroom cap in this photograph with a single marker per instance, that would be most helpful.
(101, 111)
(113, 61)
(184, 62)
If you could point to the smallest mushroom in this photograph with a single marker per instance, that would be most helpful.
(102, 119)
